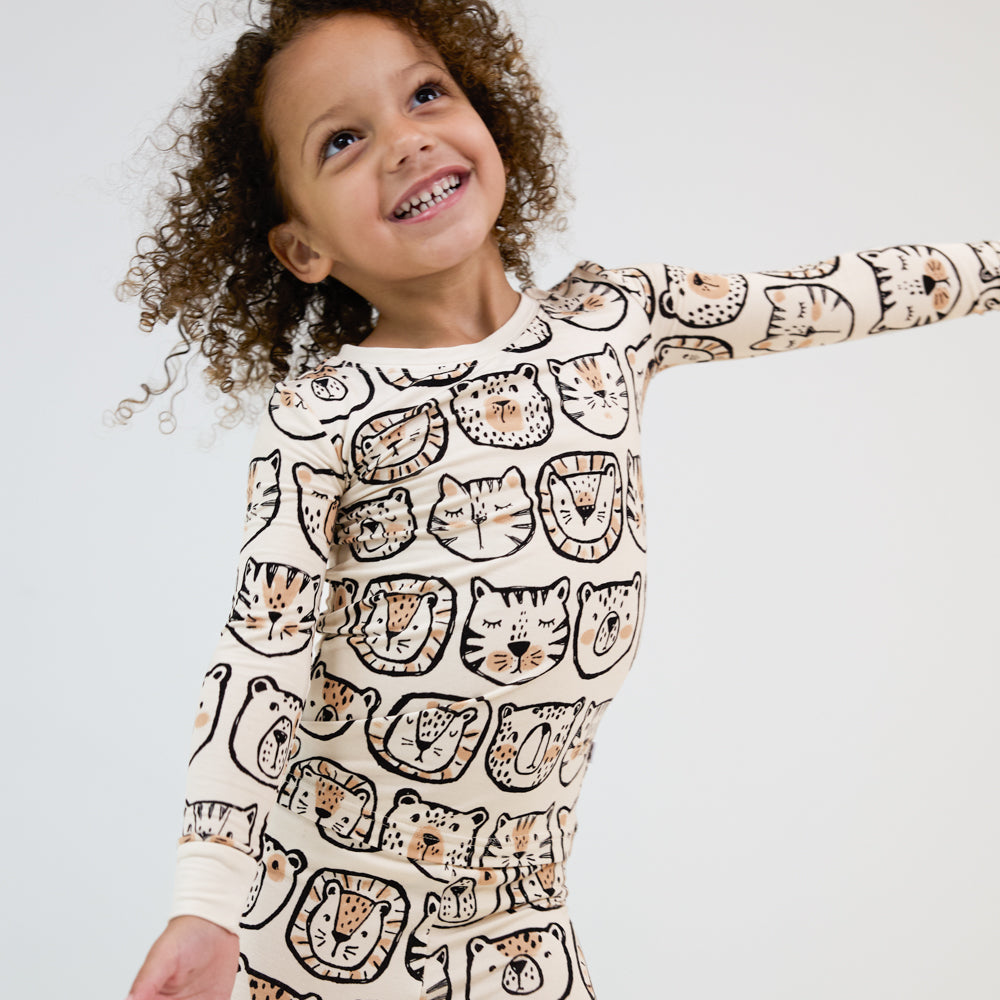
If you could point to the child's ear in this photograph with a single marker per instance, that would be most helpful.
(289, 246)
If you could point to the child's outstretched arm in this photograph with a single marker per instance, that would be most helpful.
(254, 691)
(697, 316)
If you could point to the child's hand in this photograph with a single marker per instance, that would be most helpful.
(193, 959)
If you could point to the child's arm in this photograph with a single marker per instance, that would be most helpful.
(697, 316)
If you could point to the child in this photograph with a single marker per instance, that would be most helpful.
(442, 576)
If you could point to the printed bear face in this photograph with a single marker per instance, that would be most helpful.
(277, 872)
(532, 962)
(261, 735)
(917, 285)
(592, 391)
(528, 743)
(515, 633)
(606, 625)
(380, 527)
(699, 299)
(433, 837)
(274, 609)
(504, 410)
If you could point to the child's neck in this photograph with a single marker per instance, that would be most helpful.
(459, 306)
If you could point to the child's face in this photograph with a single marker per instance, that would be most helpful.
(366, 120)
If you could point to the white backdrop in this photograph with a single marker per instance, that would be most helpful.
(796, 793)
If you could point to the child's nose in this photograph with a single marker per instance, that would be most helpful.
(408, 140)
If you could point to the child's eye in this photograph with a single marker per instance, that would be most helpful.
(336, 143)
(427, 93)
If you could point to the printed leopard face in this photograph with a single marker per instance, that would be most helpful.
(334, 699)
(592, 391)
(340, 802)
(319, 497)
(917, 285)
(483, 518)
(378, 528)
(399, 444)
(504, 410)
(515, 633)
(277, 873)
(274, 609)
(435, 838)
(532, 962)
(606, 625)
(329, 392)
(528, 743)
(804, 316)
(580, 500)
(220, 823)
(404, 622)
(347, 926)
(592, 305)
(262, 733)
(577, 755)
(262, 495)
(429, 737)
(213, 687)
(699, 299)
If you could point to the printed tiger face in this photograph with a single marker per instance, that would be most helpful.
(404, 623)
(917, 285)
(523, 841)
(339, 802)
(262, 494)
(532, 962)
(329, 392)
(592, 305)
(430, 738)
(483, 518)
(504, 410)
(347, 926)
(399, 444)
(378, 528)
(606, 625)
(699, 299)
(515, 633)
(435, 838)
(274, 609)
(319, 497)
(592, 391)
(277, 873)
(580, 500)
(262, 733)
(219, 822)
(528, 743)
(806, 315)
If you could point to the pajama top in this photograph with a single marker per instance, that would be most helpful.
(440, 590)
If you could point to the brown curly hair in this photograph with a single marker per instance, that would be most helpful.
(208, 264)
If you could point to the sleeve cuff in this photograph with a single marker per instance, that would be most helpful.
(212, 881)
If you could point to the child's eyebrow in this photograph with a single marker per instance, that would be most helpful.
(335, 109)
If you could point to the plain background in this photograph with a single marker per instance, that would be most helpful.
(796, 794)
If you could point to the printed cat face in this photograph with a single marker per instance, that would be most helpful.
(592, 391)
(580, 500)
(405, 621)
(274, 609)
(917, 285)
(515, 633)
(523, 841)
(504, 410)
(262, 495)
(399, 444)
(483, 518)
(380, 527)
(806, 315)
(699, 299)
(606, 625)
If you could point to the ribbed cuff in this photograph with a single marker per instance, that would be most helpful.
(212, 881)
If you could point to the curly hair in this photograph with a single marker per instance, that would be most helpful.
(207, 262)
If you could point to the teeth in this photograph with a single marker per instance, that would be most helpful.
(420, 202)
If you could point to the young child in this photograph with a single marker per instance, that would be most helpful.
(442, 576)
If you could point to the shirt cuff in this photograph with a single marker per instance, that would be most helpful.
(212, 881)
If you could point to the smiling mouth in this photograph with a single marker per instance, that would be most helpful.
(434, 195)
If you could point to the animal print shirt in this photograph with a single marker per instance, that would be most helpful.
(442, 575)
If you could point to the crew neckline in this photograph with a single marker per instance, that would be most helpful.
(411, 357)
